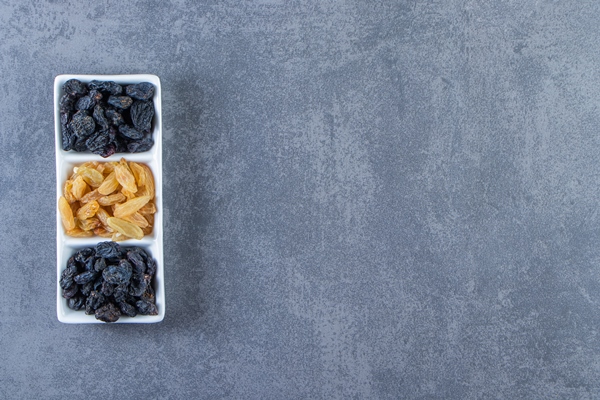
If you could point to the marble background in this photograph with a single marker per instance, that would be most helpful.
(363, 199)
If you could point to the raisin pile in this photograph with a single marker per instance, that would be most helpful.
(103, 118)
(109, 281)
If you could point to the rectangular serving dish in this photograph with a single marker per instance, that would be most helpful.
(66, 160)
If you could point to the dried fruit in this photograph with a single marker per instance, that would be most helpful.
(142, 113)
(88, 210)
(109, 281)
(141, 91)
(91, 210)
(108, 313)
(148, 209)
(66, 214)
(130, 206)
(109, 185)
(79, 187)
(112, 199)
(99, 118)
(125, 177)
(78, 232)
(88, 224)
(73, 87)
(93, 195)
(148, 182)
(122, 102)
(137, 219)
(82, 125)
(90, 176)
(125, 228)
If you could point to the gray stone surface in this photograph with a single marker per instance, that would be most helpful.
(363, 199)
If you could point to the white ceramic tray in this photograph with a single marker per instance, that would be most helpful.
(66, 160)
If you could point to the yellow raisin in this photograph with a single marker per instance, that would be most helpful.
(88, 210)
(130, 206)
(109, 185)
(112, 199)
(147, 230)
(125, 177)
(89, 224)
(103, 216)
(129, 195)
(118, 237)
(93, 195)
(68, 191)
(125, 227)
(148, 189)
(138, 173)
(77, 232)
(91, 176)
(66, 214)
(148, 209)
(79, 188)
(137, 219)
(102, 233)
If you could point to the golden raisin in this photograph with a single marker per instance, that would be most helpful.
(79, 188)
(125, 177)
(138, 173)
(89, 224)
(125, 227)
(91, 176)
(112, 199)
(109, 185)
(66, 214)
(93, 195)
(77, 232)
(130, 206)
(137, 219)
(88, 210)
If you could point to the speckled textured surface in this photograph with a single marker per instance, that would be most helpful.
(362, 200)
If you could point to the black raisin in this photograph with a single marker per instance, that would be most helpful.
(99, 117)
(139, 146)
(74, 87)
(118, 274)
(130, 133)
(135, 258)
(114, 117)
(122, 102)
(82, 124)
(120, 292)
(94, 301)
(107, 289)
(85, 103)
(146, 308)
(108, 249)
(68, 139)
(108, 313)
(138, 285)
(106, 86)
(151, 266)
(76, 303)
(141, 91)
(87, 288)
(79, 144)
(70, 292)
(67, 103)
(127, 309)
(82, 255)
(66, 278)
(95, 95)
(85, 277)
(100, 264)
(142, 113)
